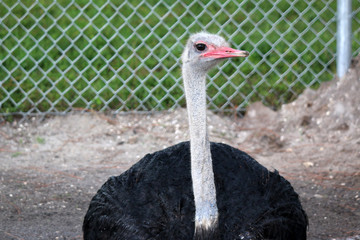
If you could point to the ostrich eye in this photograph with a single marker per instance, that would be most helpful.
(200, 46)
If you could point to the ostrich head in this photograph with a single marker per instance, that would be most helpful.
(204, 50)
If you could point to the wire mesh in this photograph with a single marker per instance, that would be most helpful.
(57, 56)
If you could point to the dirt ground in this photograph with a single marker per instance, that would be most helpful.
(51, 169)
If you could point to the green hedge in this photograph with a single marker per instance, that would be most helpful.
(69, 65)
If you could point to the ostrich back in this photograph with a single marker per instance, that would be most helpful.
(154, 200)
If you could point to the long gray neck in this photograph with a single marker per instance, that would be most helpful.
(206, 212)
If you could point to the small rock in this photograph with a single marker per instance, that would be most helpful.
(308, 164)
(306, 120)
(318, 196)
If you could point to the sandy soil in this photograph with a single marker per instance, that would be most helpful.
(51, 169)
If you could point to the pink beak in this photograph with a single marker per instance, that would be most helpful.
(225, 52)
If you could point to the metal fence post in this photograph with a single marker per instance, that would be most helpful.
(343, 37)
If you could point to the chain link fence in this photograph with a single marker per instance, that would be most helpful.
(66, 55)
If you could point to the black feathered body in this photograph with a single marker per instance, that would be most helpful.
(154, 200)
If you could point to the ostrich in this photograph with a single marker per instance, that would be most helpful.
(197, 189)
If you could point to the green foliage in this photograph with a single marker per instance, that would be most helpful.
(96, 62)
(40, 140)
